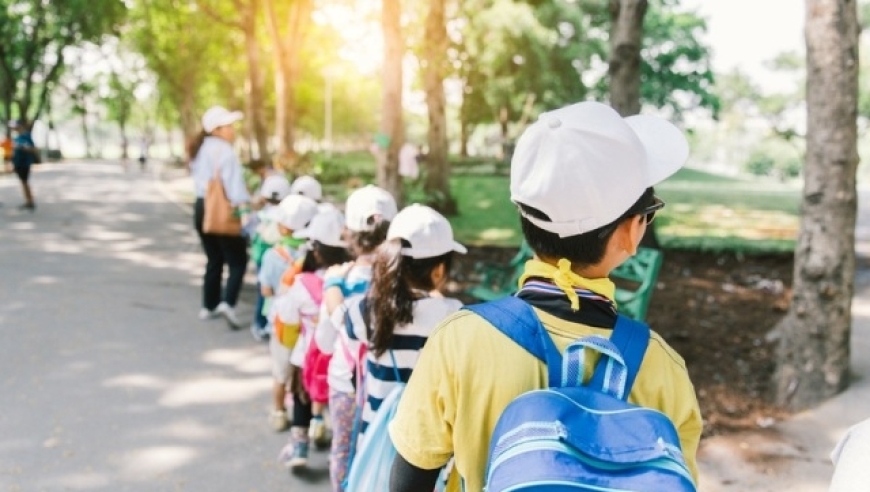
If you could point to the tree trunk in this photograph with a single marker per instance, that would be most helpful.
(391, 104)
(286, 49)
(464, 135)
(124, 142)
(626, 38)
(437, 184)
(813, 352)
(87, 135)
(255, 75)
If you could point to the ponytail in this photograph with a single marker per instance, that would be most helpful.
(391, 296)
(195, 144)
(365, 242)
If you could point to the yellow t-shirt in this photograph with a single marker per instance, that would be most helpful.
(468, 372)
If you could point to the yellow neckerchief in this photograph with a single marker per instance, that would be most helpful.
(564, 278)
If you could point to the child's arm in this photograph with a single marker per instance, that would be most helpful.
(333, 296)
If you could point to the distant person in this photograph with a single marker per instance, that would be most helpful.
(851, 460)
(582, 179)
(23, 157)
(212, 153)
(144, 142)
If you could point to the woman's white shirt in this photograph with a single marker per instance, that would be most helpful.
(214, 152)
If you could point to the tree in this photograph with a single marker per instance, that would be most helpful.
(287, 48)
(813, 351)
(244, 19)
(624, 68)
(435, 43)
(392, 131)
(35, 34)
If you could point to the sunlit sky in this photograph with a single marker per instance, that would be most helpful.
(746, 33)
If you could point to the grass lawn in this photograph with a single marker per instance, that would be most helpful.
(705, 211)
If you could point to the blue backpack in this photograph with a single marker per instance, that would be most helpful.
(575, 437)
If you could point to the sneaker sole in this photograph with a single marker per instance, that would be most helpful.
(232, 325)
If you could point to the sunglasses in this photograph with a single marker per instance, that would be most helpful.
(648, 213)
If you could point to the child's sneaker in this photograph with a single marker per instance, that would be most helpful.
(317, 433)
(295, 453)
(278, 419)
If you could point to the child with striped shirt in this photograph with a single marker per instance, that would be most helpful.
(404, 303)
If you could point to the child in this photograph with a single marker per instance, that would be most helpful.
(296, 313)
(582, 178)
(265, 235)
(404, 303)
(294, 213)
(368, 211)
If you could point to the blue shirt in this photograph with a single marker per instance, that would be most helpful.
(217, 152)
(21, 157)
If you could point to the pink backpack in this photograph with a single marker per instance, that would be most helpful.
(316, 365)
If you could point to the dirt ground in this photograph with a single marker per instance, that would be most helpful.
(715, 310)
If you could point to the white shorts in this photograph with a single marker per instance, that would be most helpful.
(280, 360)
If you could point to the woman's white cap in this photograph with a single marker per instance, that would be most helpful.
(275, 187)
(584, 165)
(296, 211)
(365, 203)
(307, 186)
(428, 232)
(326, 227)
(217, 116)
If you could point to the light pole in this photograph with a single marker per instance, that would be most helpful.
(328, 74)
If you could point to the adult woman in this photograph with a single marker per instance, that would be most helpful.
(212, 154)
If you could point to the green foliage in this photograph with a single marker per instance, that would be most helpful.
(760, 164)
(35, 35)
(676, 71)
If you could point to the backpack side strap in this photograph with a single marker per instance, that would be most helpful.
(631, 337)
(514, 318)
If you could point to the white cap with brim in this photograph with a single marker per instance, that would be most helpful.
(307, 186)
(275, 187)
(584, 165)
(218, 116)
(296, 211)
(326, 227)
(368, 202)
(428, 233)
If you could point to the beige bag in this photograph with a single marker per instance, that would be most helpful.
(219, 217)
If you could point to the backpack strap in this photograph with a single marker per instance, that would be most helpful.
(631, 337)
(516, 319)
(313, 283)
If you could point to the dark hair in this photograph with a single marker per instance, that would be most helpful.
(320, 255)
(364, 242)
(583, 249)
(196, 144)
(391, 298)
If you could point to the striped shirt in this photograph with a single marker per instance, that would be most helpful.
(408, 340)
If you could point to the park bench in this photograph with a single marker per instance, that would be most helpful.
(635, 280)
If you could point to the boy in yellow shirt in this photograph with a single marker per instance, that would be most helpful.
(582, 179)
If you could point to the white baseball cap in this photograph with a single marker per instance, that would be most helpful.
(584, 165)
(275, 187)
(326, 227)
(217, 116)
(307, 186)
(365, 203)
(427, 231)
(296, 211)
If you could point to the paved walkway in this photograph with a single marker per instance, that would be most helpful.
(109, 381)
